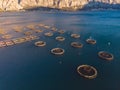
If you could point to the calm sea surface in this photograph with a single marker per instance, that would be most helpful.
(27, 67)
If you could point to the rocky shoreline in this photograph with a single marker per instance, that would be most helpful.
(69, 5)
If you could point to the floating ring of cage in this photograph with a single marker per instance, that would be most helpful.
(75, 35)
(2, 44)
(37, 27)
(57, 51)
(2, 32)
(76, 44)
(18, 28)
(53, 29)
(60, 38)
(9, 42)
(41, 25)
(40, 43)
(91, 41)
(28, 33)
(47, 27)
(61, 31)
(31, 26)
(38, 31)
(27, 38)
(87, 71)
(33, 37)
(106, 55)
(19, 40)
(7, 36)
(48, 34)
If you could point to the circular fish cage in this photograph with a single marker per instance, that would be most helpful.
(28, 33)
(38, 31)
(91, 41)
(49, 34)
(61, 31)
(75, 35)
(54, 29)
(7, 36)
(60, 38)
(57, 51)
(106, 55)
(40, 43)
(87, 71)
(76, 44)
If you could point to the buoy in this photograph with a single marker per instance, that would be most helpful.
(109, 43)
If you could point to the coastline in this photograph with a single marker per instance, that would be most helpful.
(64, 5)
(56, 9)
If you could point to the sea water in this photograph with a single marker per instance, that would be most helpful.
(27, 67)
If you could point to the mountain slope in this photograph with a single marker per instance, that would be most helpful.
(10, 5)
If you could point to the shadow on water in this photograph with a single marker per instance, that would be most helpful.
(41, 9)
(90, 6)
(100, 5)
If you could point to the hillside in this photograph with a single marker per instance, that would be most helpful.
(11, 5)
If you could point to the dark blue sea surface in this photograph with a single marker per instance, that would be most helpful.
(27, 67)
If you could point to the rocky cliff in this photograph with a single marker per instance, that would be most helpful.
(8, 5)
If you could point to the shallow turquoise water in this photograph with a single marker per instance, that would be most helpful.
(26, 67)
